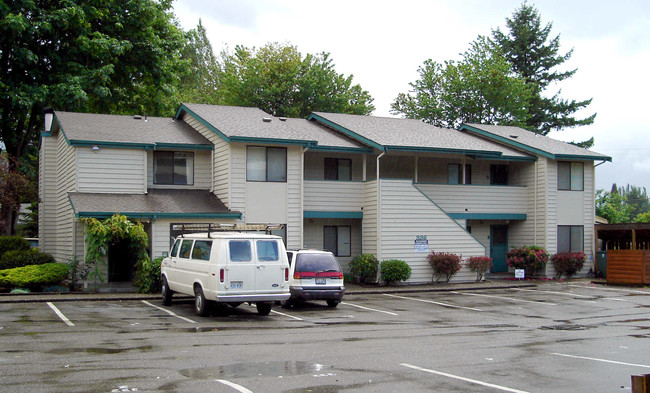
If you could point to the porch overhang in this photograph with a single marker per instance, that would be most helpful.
(328, 214)
(488, 216)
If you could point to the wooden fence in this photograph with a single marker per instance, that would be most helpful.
(628, 267)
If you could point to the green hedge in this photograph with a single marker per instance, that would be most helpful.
(20, 258)
(10, 243)
(364, 267)
(395, 270)
(34, 276)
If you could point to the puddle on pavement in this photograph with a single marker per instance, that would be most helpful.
(565, 327)
(99, 351)
(252, 370)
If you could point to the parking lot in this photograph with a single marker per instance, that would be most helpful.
(556, 337)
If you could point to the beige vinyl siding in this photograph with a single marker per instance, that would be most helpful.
(202, 168)
(477, 199)
(238, 178)
(521, 233)
(161, 232)
(589, 214)
(294, 197)
(369, 227)
(66, 182)
(79, 241)
(47, 194)
(323, 195)
(109, 170)
(220, 160)
(407, 213)
(551, 210)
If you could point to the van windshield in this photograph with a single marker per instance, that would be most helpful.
(267, 250)
(240, 250)
(317, 262)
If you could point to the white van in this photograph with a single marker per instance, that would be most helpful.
(227, 267)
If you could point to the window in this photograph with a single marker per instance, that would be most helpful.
(570, 238)
(240, 250)
(455, 175)
(499, 174)
(337, 240)
(267, 250)
(266, 164)
(173, 167)
(186, 248)
(570, 176)
(338, 169)
(202, 250)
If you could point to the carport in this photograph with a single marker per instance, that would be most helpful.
(623, 252)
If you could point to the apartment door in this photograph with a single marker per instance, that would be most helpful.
(498, 247)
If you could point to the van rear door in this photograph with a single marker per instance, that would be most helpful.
(270, 266)
(242, 267)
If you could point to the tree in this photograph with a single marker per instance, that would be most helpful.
(279, 80)
(14, 186)
(200, 84)
(612, 206)
(481, 88)
(637, 198)
(534, 57)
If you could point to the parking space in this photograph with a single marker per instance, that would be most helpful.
(557, 337)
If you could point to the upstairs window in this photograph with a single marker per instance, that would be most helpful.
(570, 176)
(173, 168)
(499, 174)
(266, 164)
(338, 169)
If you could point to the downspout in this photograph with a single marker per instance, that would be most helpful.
(302, 199)
(379, 209)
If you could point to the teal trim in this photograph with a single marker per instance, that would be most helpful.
(488, 216)
(323, 214)
(486, 153)
(120, 145)
(345, 131)
(508, 158)
(273, 141)
(507, 141)
(156, 216)
(576, 157)
(182, 146)
(202, 121)
(360, 150)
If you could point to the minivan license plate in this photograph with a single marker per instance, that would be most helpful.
(236, 285)
(321, 281)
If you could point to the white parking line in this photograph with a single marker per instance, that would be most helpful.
(599, 360)
(432, 302)
(612, 289)
(287, 315)
(233, 385)
(553, 292)
(60, 314)
(504, 297)
(168, 312)
(369, 309)
(474, 381)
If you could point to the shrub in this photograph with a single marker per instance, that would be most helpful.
(568, 263)
(78, 271)
(444, 264)
(34, 276)
(395, 270)
(480, 266)
(10, 243)
(20, 258)
(364, 267)
(529, 258)
(147, 275)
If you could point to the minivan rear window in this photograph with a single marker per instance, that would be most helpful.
(316, 262)
(240, 250)
(201, 250)
(186, 248)
(267, 250)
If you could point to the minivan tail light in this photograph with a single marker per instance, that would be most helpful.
(222, 275)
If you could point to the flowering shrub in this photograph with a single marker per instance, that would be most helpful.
(530, 258)
(568, 263)
(395, 270)
(444, 264)
(480, 266)
(364, 267)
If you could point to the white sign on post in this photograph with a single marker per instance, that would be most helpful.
(520, 273)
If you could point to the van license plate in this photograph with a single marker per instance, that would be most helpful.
(236, 285)
(321, 281)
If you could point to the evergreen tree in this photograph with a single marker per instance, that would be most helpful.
(526, 45)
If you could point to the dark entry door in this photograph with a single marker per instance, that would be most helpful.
(121, 262)
(498, 247)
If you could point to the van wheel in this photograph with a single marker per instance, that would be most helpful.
(200, 304)
(166, 293)
(333, 303)
(264, 308)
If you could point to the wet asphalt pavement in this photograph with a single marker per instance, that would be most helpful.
(553, 337)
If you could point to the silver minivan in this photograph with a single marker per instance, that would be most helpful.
(227, 268)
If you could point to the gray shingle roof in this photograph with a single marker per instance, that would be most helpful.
(157, 202)
(530, 141)
(412, 134)
(91, 127)
(246, 122)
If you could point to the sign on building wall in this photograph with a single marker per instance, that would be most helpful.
(421, 243)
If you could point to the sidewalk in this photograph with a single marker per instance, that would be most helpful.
(350, 290)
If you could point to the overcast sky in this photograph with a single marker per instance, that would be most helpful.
(382, 43)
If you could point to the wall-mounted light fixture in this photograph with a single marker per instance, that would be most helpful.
(95, 148)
